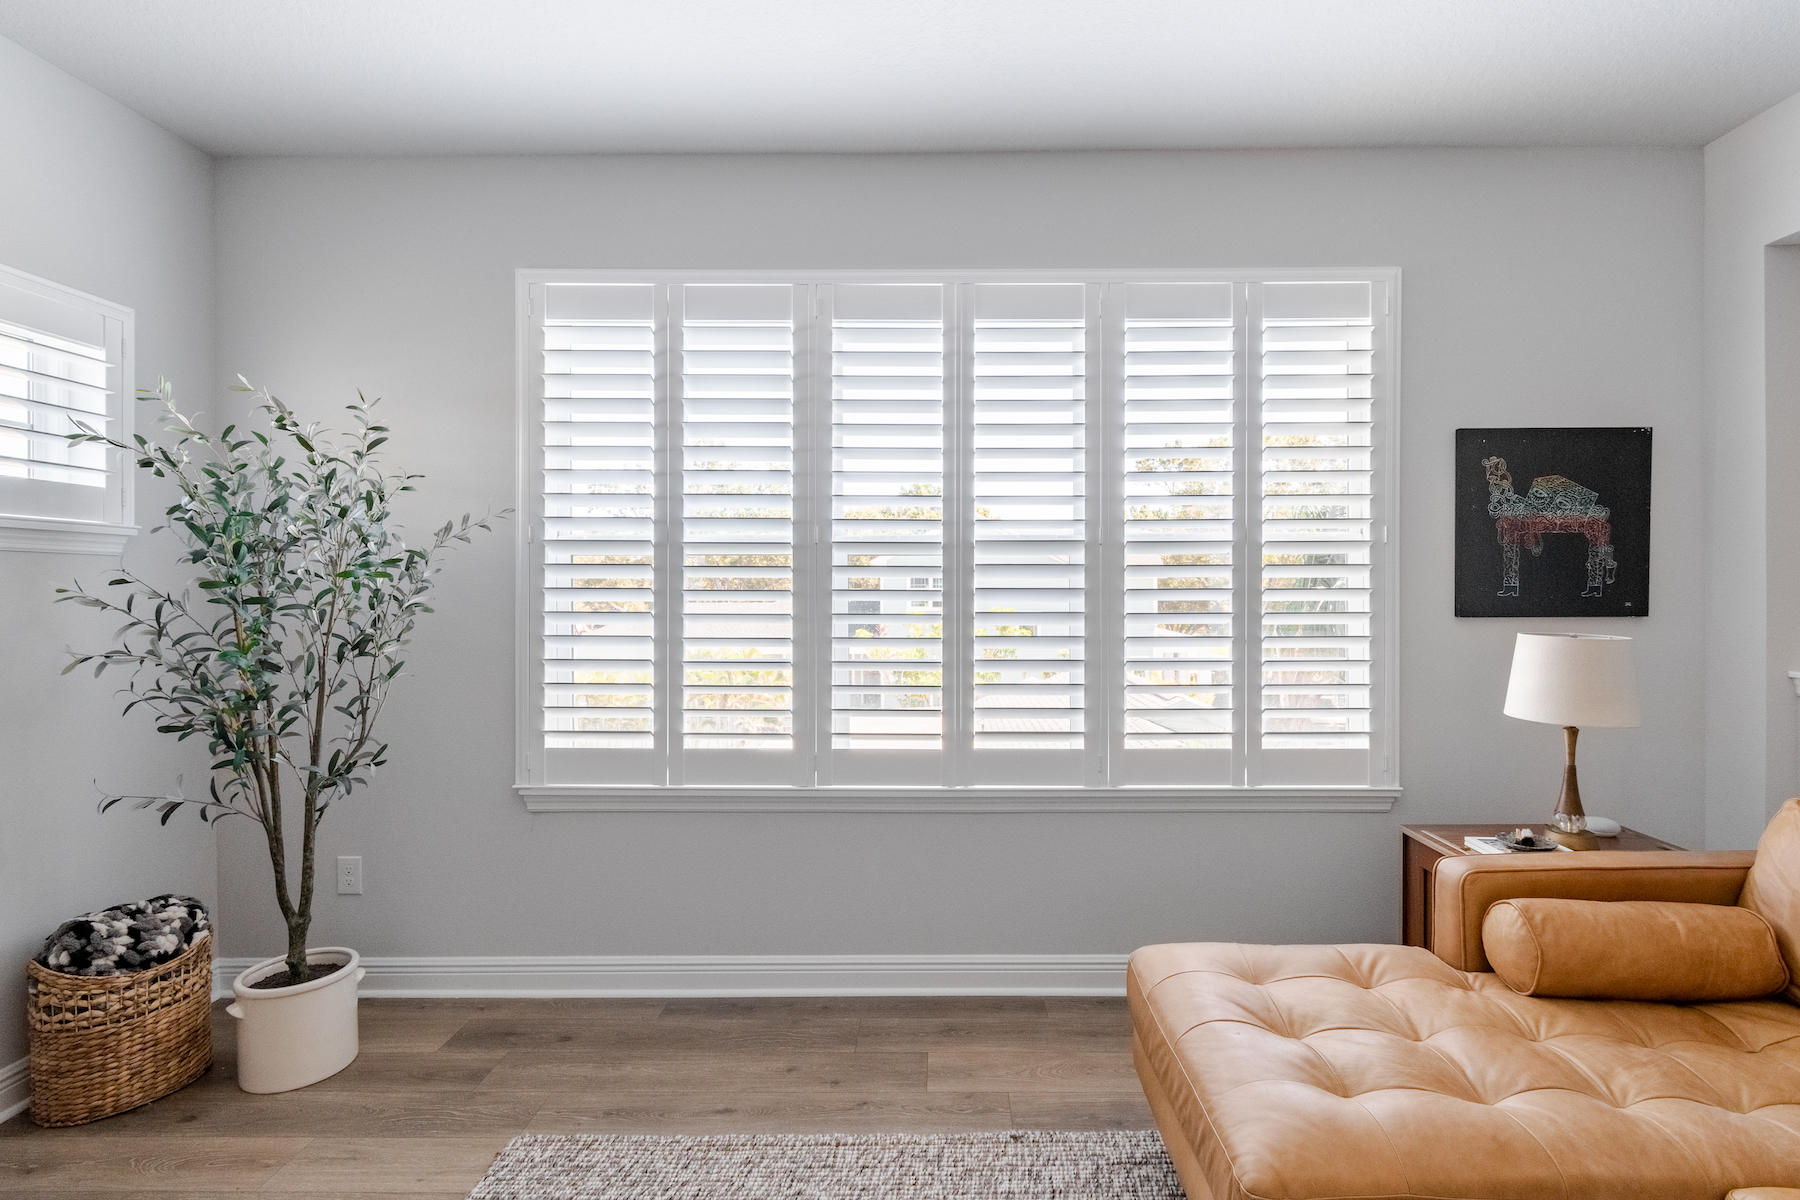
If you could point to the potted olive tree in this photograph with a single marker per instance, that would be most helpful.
(277, 655)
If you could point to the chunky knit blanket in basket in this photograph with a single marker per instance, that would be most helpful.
(127, 937)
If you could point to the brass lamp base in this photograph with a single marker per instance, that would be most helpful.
(1582, 840)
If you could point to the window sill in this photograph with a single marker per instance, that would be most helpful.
(558, 798)
(49, 535)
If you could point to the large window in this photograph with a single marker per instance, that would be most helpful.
(63, 363)
(1094, 531)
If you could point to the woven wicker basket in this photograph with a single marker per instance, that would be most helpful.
(104, 1044)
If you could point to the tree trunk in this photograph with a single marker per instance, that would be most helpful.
(298, 970)
(301, 921)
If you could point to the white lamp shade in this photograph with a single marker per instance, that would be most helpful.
(1580, 679)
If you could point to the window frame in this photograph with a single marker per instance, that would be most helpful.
(44, 533)
(1379, 795)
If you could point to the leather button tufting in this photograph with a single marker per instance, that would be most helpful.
(1422, 1081)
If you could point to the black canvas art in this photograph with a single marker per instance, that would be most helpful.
(1552, 522)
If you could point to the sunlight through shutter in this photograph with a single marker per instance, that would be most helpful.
(1180, 399)
(62, 369)
(1317, 530)
(887, 527)
(598, 538)
(1028, 508)
(47, 385)
(737, 518)
(910, 531)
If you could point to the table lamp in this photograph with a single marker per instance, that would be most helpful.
(1572, 679)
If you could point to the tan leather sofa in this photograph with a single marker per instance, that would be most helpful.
(1314, 1072)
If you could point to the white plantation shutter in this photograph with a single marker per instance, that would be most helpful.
(1317, 531)
(1028, 525)
(597, 548)
(61, 369)
(886, 532)
(893, 531)
(49, 388)
(737, 379)
(1180, 415)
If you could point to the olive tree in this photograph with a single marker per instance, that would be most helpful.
(280, 649)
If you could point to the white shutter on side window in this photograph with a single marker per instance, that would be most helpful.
(1317, 418)
(1028, 525)
(49, 387)
(62, 369)
(736, 520)
(886, 532)
(597, 543)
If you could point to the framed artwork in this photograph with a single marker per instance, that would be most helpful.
(1552, 522)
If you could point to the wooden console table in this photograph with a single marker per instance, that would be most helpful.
(1421, 846)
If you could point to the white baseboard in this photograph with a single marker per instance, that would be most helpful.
(15, 1089)
(735, 975)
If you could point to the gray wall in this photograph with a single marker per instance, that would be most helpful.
(1540, 287)
(1752, 565)
(103, 201)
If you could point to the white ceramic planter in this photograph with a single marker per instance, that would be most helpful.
(292, 1036)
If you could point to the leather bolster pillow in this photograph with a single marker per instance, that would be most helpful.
(1632, 950)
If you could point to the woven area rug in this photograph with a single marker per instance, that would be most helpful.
(1126, 1165)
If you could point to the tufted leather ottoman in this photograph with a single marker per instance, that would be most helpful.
(1307, 1072)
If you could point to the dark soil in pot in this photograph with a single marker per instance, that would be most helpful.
(280, 979)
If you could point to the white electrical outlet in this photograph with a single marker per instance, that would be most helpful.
(350, 875)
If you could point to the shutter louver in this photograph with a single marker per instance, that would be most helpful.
(1179, 421)
(598, 543)
(737, 519)
(1317, 530)
(887, 527)
(1028, 508)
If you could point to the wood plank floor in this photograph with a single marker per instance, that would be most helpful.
(443, 1084)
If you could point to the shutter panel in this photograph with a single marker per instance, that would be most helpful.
(1317, 532)
(47, 385)
(1028, 507)
(598, 544)
(1179, 422)
(887, 532)
(737, 378)
(61, 367)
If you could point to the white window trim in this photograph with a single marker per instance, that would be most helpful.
(598, 798)
(55, 535)
(46, 535)
(540, 797)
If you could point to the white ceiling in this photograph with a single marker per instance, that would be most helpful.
(493, 76)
